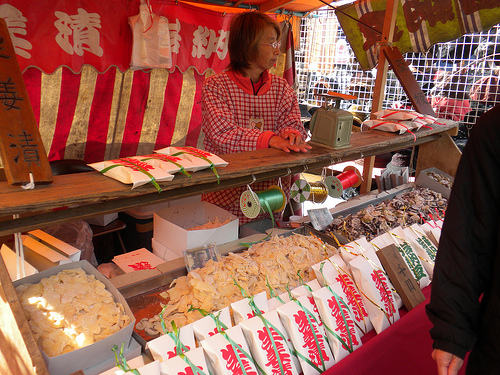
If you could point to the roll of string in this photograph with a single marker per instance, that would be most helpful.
(348, 178)
(266, 201)
(319, 192)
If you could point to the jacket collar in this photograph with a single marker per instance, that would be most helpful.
(244, 83)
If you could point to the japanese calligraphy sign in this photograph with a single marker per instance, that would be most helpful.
(401, 276)
(21, 146)
(419, 24)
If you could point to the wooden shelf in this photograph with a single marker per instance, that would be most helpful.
(83, 195)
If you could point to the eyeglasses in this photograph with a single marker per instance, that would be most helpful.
(275, 44)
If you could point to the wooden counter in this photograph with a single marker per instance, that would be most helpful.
(88, 194)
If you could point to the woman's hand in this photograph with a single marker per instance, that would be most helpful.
(291, 142)
(447, 363)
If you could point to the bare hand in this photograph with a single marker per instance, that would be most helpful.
(447, 363)
(295, 144)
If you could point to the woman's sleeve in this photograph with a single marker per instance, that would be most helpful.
(218, 122)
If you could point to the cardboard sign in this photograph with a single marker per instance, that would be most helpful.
(401, 276)
(21, 146)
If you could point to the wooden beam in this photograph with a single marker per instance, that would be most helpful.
(380, 81)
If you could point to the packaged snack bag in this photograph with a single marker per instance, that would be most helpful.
(170, 164)
(202, 159)
(191, 362)
(305, 329)
(228, 353)
(132, 171)
(339, 322)
(209, 324)
(172, 344)
(335, 271)
(376, 292)
(305, 289)
(245, 308)
(423, 246)
(268, 344)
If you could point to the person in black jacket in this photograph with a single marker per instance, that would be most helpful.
(465, 297)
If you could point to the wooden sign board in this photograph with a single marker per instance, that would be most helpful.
(401, 276)
(21, 146)
(412, 89)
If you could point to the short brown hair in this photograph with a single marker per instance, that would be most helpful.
(244, 35)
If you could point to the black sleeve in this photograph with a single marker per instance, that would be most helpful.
(469, 241)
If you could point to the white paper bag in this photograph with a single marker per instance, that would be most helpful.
(188, 363)
(377, 295)
(242, 309)
(423, 246)
(305, 329)
(270, 351)
(207, 327)
(340, 325)
(227, 352)
(164, 347)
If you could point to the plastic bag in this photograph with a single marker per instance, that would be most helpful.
(151, 40)
(77, 234)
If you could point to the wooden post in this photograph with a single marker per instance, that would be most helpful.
(380, 81)
(21, 146)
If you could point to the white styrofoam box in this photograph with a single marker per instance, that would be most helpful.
(55, 243)
(423, 180)
(164, 252)
(9, 258)
(102, 220)
(170, 226)
(98, 352)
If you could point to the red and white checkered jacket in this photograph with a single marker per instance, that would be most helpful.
(235, 119)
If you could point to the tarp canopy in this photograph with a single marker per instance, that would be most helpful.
(419, 24)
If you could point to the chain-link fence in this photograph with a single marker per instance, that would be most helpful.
(459, 78)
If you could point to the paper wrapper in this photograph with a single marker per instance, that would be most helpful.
(168, 163)
(423, 246)
(340, 325)
(274, 302)
(306, 289)
(127, 171)
(354, 248)
(193, 155)
(206, 327)
(223, 357)
(164, 347)
(182, 365)
(242, 311)
(306, 332)
(409, 255)
(376, 292)
(335, 271)
(271, 352)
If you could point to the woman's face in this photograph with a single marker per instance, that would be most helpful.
(266, 54)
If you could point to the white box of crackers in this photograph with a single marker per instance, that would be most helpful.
(71, 291)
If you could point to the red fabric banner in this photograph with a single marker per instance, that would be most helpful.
(50, 33)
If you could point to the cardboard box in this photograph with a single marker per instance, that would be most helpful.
(102, 220)
(41, 256)
(98, 352)
(164, 252)
(9, 257)
(56, 244)
(170, 226)
(423, 180)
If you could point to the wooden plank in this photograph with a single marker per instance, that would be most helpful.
(380, 82)
(401, 276)
(20, 353)
(23, 154)
(407, 79)
(443, 155)
(40, 206)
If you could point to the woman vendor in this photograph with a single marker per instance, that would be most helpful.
(246, 108)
